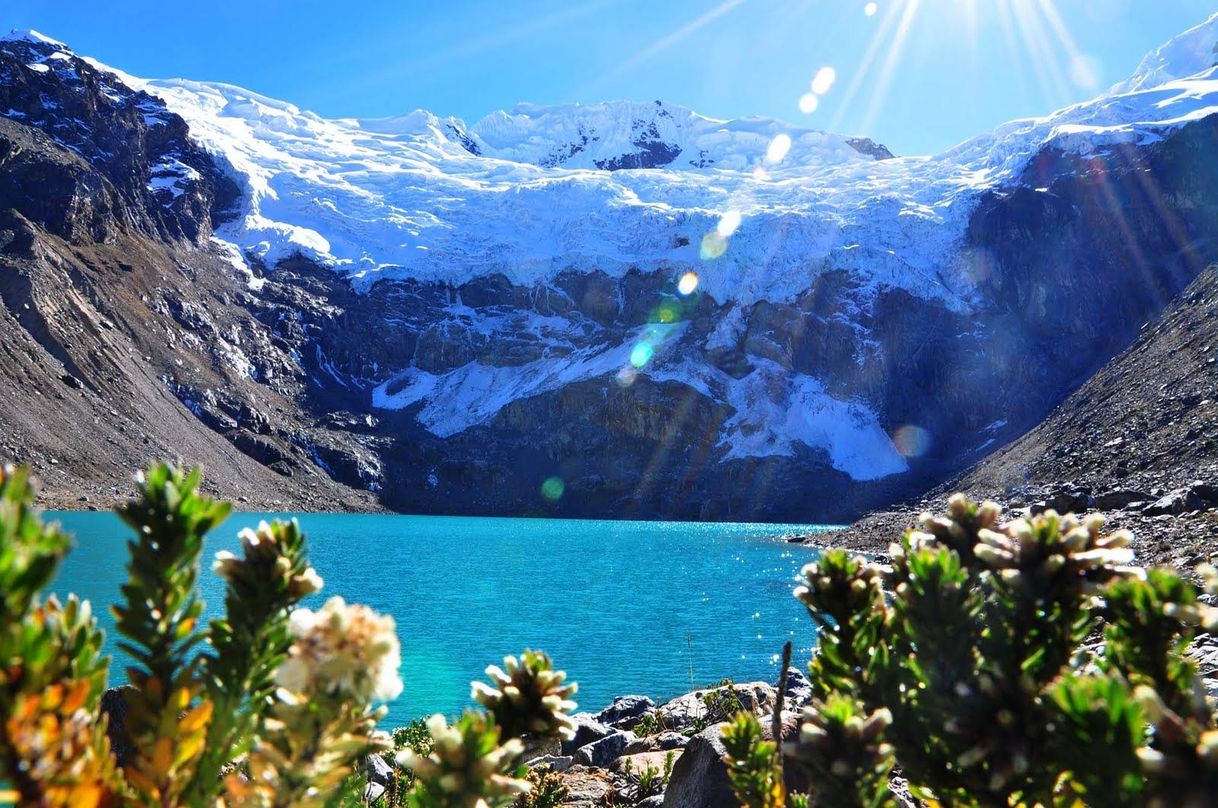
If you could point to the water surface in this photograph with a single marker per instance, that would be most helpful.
(623, 607)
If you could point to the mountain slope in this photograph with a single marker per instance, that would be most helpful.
(673, 316)
(1144, 422)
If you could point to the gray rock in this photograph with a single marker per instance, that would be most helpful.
(686, 711)
(603, 752)
(1116, 500)
(654, 801)
(555, 763)
(1177, 502)
(625, 711)
(699, 779)
(380, 777)
(587, 730)
(799, 689)
(660, 742)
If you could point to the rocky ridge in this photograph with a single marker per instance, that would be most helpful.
(816, 388)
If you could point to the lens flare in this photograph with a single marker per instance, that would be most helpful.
(667, 312)
(626, 376)
(642, 354)
(713, 246)
(912, 440)
(778, 148)
(688, 283)
(824, 79)
(870, 9)
(808, 102)
(553, 488)
(728, 223)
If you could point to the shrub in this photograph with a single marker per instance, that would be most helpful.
(269, 705)
(960, 662)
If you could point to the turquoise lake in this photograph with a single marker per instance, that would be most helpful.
(623, 607)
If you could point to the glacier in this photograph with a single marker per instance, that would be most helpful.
(641, 186)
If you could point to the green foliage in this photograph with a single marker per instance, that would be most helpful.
(753, 764)
(547, 790)
(959, 662)
(268, 706)
(528, 698)
(843, 752)
(467, 766)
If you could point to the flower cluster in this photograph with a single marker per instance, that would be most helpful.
(527, 697)
(266, 559)
(342, 650)
(467, 766)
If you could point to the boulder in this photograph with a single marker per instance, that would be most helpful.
(654, 801)
(644, 760)
(1182, 500)
(587, 730)
(686, 711)
(555, 763)
(699, 778)
(1208, 492)
(799, 689)
(625, 711)
(1072, 500)
(603, 752)
(1116, 500)
(586, 788)
(661, 741)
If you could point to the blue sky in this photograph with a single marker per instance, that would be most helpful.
(918, 75)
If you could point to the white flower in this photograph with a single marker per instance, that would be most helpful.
(342, 649)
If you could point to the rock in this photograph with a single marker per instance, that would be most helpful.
(799, 689)
(380, 777)
(625, 711)
(686, 711)
(555, 763)
(643, 761)
(1069, 501)
(1116, 500)
(699, 778)
(660, 741)
(654, 801)
(586, 788)
(114, 706)
(1208, 492)
(587, 730)
(1180, 501)
(603, 752)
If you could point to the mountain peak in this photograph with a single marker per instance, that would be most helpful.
(1192, 52)
(30, 35)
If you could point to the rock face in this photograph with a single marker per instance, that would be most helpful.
(584, 382)
(699, 779)
(1142, 424)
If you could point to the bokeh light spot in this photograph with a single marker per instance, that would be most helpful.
(912, 440)
(824, 79)
(728, 223)
(778, 148)
(713, 246)
(642, 354)
(871, 8)
(552, 489)
(667, 312)
(688, 283)
(808, 102)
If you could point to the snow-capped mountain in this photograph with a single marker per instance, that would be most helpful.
(658, 307)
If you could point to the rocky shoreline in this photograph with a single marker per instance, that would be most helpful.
(1172, 526)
